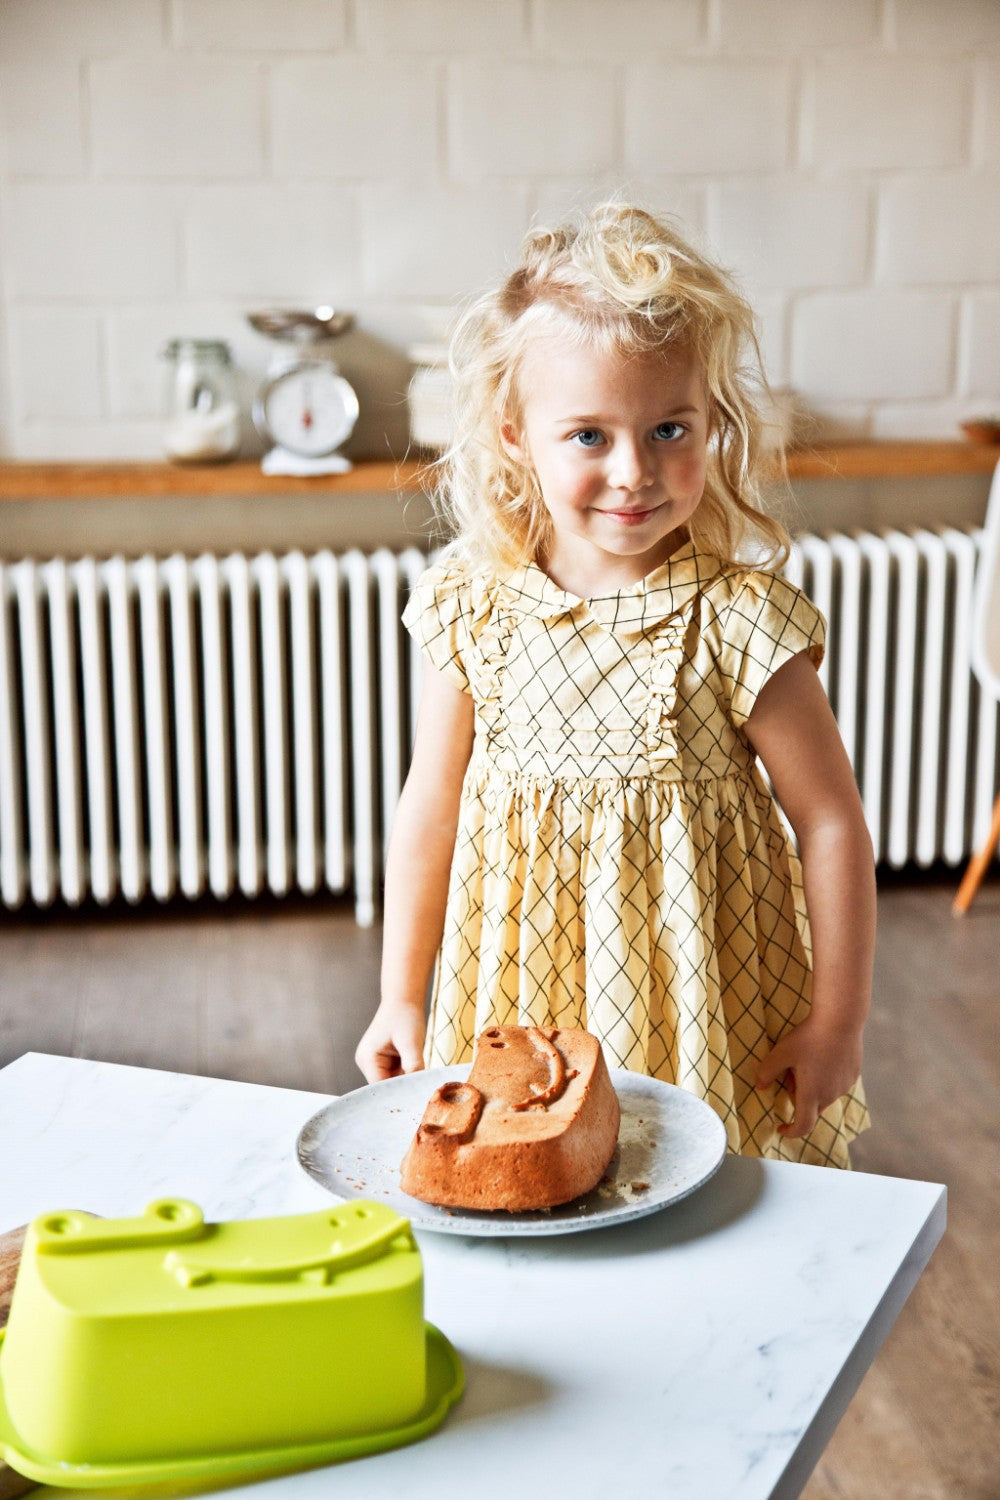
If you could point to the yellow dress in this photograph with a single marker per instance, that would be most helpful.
(620, 863)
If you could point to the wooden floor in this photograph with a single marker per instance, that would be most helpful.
(281, 994)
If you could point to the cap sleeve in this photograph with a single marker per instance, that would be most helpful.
(438, 616)
(768, 622)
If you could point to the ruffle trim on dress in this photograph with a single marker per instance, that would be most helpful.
(493, 642)
(662, 745)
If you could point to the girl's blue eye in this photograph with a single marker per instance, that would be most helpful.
(589, 437)
(669, 431)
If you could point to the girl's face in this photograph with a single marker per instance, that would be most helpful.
(618, 445)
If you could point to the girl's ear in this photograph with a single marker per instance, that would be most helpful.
(511, 443)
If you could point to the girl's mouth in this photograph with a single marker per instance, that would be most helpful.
(630, 517)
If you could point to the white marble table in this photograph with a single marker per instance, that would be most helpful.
(704, 1353)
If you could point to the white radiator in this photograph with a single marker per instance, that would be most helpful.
(921, 736)
(194, 726)
(205, 725)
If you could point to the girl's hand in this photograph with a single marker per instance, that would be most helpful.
(817, 1064)
(393, 1043)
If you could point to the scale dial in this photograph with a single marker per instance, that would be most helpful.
(307, 408)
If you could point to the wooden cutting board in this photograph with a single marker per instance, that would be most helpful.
(11, 1244)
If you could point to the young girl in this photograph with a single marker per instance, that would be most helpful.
(585, 838)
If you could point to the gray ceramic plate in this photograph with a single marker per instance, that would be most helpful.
(670, 1143)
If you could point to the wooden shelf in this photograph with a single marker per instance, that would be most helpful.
(71, 481)
(892, 460)
(132, 481)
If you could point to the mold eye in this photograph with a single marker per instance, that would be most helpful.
(362, 1213)
(494, 1032)
(498, 1045)
(58, 1226)
(168, 1211)
(431, 1129)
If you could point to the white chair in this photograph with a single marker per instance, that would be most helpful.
(986, 665)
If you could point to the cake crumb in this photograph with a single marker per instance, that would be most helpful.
(639, 1187)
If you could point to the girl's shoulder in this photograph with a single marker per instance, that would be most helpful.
(745, 607)
(446, 612)
(450, 583)
(739, 585)
(756, 621)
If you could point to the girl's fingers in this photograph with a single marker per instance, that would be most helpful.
(803, 1120)
(376, 1063)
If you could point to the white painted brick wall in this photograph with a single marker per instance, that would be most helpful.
(980, 349)
(876, 345)
(986, 111)
(793, 27)
(41, 119)
(772, 316)
(56, 354)
(525, 119)
(260, 25)
(176, 117)
(354, 116)
(443, 26)
(792, 234)
(79, 28)
(942, 25)
(642, 28)
(708, 117)
(465, 244)
(862, 112)
(929, 420)
(917, 230)
(272, 243)
(85, 240)
(167, 165)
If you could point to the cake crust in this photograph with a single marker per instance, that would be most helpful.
(535, 1125)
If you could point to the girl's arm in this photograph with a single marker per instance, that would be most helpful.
(794, 732)
(416, 877)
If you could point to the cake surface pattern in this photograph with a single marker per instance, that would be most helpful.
(535, 1124)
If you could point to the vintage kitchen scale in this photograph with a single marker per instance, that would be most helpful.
(305, 407)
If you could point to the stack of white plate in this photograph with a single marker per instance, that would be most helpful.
(430, 397)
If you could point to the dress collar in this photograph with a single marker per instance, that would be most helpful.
(665, 591)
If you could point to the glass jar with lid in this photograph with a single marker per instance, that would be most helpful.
(202, 412)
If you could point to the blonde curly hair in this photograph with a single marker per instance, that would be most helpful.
(619, 280)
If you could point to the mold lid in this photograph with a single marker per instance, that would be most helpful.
(147, 1264)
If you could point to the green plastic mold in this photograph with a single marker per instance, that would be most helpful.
(162, 1347)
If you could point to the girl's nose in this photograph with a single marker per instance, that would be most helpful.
(631, 469)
